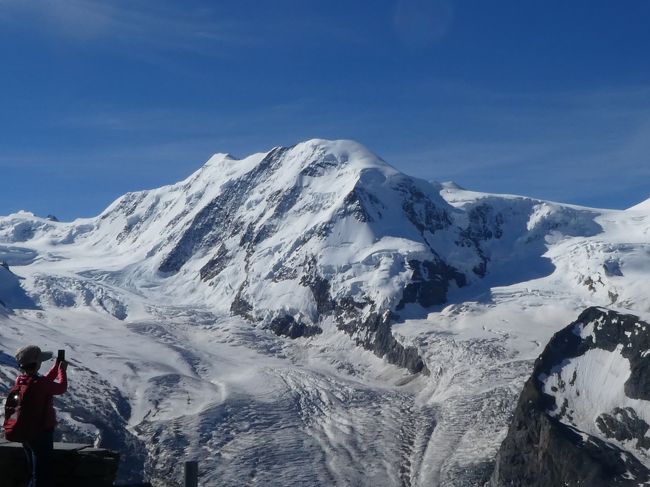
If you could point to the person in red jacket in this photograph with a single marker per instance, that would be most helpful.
(42, 390)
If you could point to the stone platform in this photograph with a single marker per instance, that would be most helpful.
(74, 465)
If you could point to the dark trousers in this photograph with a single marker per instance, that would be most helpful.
(39, 456)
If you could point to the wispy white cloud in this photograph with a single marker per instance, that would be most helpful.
(137, 23)
(572, 146)
(206, 29)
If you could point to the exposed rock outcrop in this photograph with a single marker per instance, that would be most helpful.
(553, 438)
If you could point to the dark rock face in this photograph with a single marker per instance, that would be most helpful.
(484, 223)
(289, 327)
(613, 330)
(429, 283)
(540, 450)
(381, 341)
(374, 333)
(320, 288)
(215, 265)
(420, 210)
(371, 331)
(208, 227)
(240, 306)
(353, 204)
(624, 425)
(323, 165)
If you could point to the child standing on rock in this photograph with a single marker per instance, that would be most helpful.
(41, 390)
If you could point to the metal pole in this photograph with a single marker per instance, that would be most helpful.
(192, 474)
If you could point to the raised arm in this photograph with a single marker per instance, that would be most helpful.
(53, 372)
(58, 378)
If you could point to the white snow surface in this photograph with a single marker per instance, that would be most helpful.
(598, 388)
(160, 358)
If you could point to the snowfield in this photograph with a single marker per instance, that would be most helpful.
(167, 304)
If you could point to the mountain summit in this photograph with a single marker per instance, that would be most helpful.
(299, 235)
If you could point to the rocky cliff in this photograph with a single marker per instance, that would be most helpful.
(583, 416)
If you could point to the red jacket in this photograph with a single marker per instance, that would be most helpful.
(43, 389)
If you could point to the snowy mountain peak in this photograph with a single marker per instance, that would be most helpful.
(219, 157)
(451, 185)
(304, 229)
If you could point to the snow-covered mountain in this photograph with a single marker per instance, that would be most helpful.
(293, 237)
(248, 315)
(323, 230)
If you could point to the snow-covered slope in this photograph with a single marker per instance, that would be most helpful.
(643, 207)
(177, 305)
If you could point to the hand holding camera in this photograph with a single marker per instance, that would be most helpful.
(60, 359)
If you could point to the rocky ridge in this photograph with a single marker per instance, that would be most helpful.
(571, 426)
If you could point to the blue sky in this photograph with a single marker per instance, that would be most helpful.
(545, 98)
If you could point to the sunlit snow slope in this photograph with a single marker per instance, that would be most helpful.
(248, 316)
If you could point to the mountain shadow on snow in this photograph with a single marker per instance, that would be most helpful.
(12, 295)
